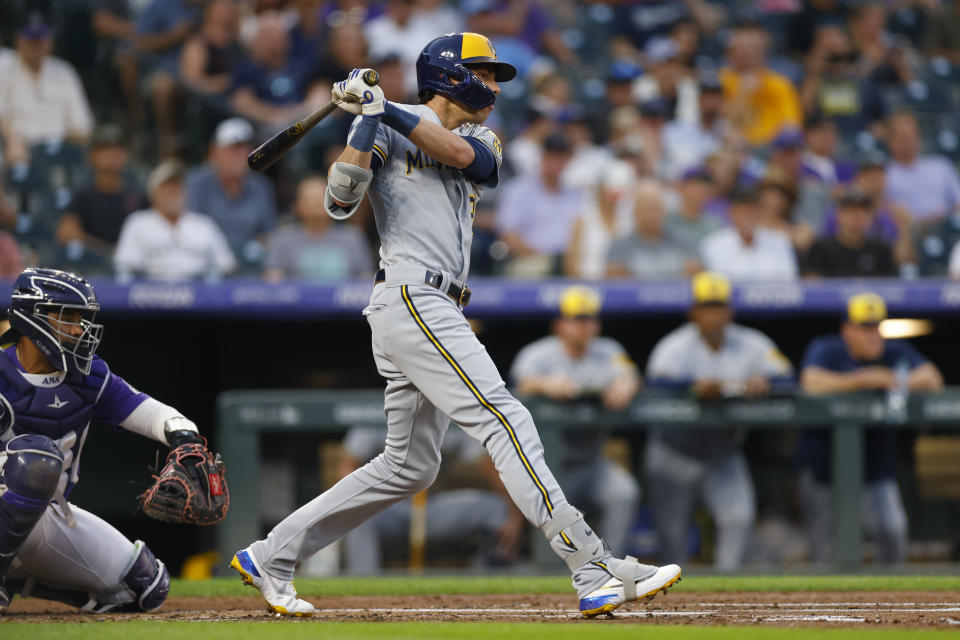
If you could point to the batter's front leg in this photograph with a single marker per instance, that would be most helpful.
(431, 342)
(408, 464)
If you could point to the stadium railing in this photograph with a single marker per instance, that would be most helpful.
(244, 416)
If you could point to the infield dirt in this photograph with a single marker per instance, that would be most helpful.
(913, 609)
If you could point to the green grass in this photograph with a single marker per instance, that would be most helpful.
(282, 630)
(402, 585)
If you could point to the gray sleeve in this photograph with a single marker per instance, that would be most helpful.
(666, 361)
(770, 362)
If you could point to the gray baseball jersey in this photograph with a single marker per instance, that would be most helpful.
(436, 371)
(682, 356)
(410, 189)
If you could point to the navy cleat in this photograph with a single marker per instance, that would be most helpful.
(632, 581)
(280, 595)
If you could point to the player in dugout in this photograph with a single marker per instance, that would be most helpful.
(711, 358)
(577, 363)
(860, 359)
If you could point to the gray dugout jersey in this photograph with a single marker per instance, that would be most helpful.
(424, 210)
(682, 357)
(604, 361)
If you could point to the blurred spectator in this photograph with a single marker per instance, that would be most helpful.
(116, 31)
(405, 28)
(576, 363)
(812, 195)
(271, 88)
(649, 131)
(607, 216)
(686, 145)
(317, 248)
(537, 213)
(167, 242)
(686, 222)
(851, 252)
(10, 256)
(832, 87)
(619, 93)
(239, 200)
(804, 25)
(686, 33)
(666, 79)
(650, 252)
(41, 98)
(93, 219)
(776, 199)
(162, 29)
(520, 29)
(588, 160)
(882, 57)
(712, 358)
(345, 50)
(306, 36)
(943, 32)
(859, 359)
(210, 55)
(745, 250)
(452, 514)
(819, 158)
(759, 101)
(635, 23)
(953, 268)
(927, 186)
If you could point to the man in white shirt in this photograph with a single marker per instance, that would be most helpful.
(41, 97)
(166, 242)
(746, 251)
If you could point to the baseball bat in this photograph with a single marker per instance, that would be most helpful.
(261, 158)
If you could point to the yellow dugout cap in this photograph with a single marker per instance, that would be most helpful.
(866, 308)
(579, 301)
(709, 287)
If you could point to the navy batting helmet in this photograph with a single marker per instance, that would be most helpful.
(442, 68)
(42, 309)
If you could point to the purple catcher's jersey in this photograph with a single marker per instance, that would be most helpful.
(60, 404)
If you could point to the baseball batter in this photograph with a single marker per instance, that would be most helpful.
(51, 387)
(425, 167)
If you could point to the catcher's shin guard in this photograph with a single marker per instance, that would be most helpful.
(30, 467)
(143, 587)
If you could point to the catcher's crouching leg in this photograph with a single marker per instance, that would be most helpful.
(143, 587)
(30, 467)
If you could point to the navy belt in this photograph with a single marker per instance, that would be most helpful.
(460, 295)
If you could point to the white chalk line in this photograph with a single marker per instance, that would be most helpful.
(817, 612)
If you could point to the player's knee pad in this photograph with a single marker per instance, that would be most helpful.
(30, 467)
(147, 579)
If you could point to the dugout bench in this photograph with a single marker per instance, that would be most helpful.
(243, 416)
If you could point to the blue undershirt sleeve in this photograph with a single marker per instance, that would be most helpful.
(483, 169)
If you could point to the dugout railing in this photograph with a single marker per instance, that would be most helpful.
(244, 416)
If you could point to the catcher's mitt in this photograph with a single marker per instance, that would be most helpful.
(191, 488)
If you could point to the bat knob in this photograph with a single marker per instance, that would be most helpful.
(371, 77)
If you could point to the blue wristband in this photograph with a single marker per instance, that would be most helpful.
(365, 134)
(399, 120)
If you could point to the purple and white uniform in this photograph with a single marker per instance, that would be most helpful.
(70, 549)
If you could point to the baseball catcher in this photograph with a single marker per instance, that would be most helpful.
(52, 386)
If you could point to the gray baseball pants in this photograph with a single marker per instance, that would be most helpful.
(436, 371)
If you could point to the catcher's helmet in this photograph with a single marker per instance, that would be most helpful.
(442, 68)
(39, 292)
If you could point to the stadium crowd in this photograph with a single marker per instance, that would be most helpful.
(645, 140)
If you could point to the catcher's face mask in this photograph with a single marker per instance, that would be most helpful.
(74, 332)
